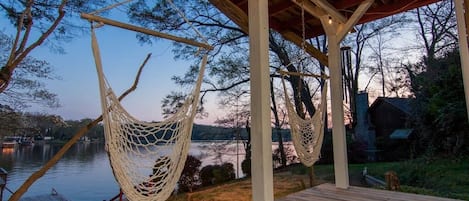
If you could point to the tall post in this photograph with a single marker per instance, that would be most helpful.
(462, 16)
(337, 112)
(336, 30)
(261, 166)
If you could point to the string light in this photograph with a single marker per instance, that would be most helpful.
(330, 20)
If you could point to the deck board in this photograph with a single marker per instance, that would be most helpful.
(328, 192)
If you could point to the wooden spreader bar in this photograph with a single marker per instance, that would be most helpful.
(302, 74)
(95, 18)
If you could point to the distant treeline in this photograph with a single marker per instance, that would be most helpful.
(199, 132)
(207, 132)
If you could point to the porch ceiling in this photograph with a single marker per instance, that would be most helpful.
(285, 16)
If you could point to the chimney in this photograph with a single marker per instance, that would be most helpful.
(362, 128)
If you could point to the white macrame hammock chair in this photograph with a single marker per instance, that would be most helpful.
(308, 133)
(147, 158)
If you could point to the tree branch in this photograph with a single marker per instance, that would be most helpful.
(225, 88)
(29, 25)
(38, 174)
(43, 37)
(15, 59)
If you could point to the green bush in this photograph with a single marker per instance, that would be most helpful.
(189, 179)
(246, 167)
(216, 174)
(206, 175)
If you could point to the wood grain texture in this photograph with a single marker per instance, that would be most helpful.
(328, 192)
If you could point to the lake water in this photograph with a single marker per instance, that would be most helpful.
(84, 172)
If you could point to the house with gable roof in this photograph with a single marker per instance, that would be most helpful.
(385, 127)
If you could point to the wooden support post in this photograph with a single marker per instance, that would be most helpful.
(461, 16)
(337, 111)
(336, 31)
(261, 166)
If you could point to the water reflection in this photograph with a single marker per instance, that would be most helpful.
(84, 173)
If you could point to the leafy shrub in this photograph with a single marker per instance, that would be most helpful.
(216, 174)
(189, 179)
(225, 173)
(356, 150)
(206, 175)
(289, 154)
(246, 167)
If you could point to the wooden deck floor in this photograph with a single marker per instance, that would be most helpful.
(328, 192)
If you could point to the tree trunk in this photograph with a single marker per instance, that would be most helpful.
(277, 124)
(311, 176)
(301, 92)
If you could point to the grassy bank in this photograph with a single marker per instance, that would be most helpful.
(442, 177)
(439, 177)
(240, 190)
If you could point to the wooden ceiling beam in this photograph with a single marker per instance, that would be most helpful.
(344, 4)
(295, 22)
(352, 21)
(310, 8)
(280, 7)
(239, 17)
(330, 9)
(233, 12)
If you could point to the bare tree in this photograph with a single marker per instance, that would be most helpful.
(10, 121)
(229, 66)
(359, 42)
(26, 86)
(278, 123)
(437, 28)
(37, 22)
(383, 59)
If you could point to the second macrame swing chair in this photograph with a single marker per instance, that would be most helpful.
(147, 158)
(307, 133)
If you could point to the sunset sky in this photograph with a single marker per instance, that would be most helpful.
(122, 55)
